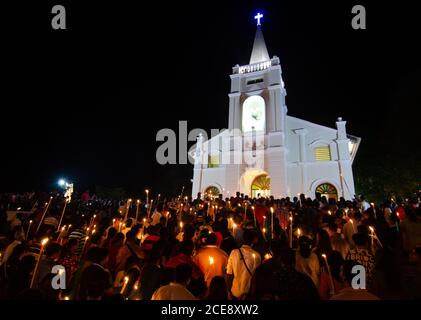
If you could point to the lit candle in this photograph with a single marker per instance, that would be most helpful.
(267, 256)
(29, 228)
(129, 201)
(150, 209)
(43, 243)
(181, 225)
(290, 231)
(126, 281)
(84, 246)
(271, 223)
(47, 205)
(329, 212)
(137, 209)
(332, 286)
(352, 223)
(62, 214)
(372, 236)
(298, 233)
(264, 233)
(254, 217)
(61, 232)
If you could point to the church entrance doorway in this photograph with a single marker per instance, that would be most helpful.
(260, 186)
(327, 190)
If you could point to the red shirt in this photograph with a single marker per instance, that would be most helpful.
(183, 258)
(400, 212)
(260, 213)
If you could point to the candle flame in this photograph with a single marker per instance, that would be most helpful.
(371, 228)
(264, 230)
(211, 260)
(30, 221)
(271, 209)
(44, 241)
(234, 226)
(267, 256)
(299, 232)
(324, 256)
(126, 279)
(329, 212)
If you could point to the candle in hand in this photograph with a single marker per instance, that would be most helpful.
(126, 281)
(290, 232)
(43, 243)
(332, 286)
(29, 228)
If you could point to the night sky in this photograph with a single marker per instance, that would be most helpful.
(86, 103)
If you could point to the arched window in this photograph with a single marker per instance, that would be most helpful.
(327, 190)
(212, 191)
(260, 185)
(254, 114)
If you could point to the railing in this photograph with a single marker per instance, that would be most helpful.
(255, 66)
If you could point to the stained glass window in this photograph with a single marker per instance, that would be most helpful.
(261, 183)
(327, 190)
(212, 190)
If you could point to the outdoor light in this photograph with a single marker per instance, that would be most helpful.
(62, 182)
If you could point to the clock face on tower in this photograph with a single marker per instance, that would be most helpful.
(254, 114)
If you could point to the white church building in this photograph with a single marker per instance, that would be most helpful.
(267, 152)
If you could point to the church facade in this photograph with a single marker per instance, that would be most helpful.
(265, 151)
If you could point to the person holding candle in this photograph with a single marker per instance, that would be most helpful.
(362, 256)
(52, 256)
(335, 262)
(242, 263)
(306, 261)
(219, 258)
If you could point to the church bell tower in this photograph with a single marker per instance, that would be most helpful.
(257, 107)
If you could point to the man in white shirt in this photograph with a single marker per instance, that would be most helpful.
(177, 290)
(241, 265)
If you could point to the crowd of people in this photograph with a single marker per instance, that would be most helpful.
(208, 248)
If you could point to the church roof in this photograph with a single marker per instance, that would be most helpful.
(259, 52)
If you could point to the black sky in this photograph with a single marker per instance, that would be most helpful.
(86, 103)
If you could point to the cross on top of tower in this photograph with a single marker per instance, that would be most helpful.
(258, 17)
